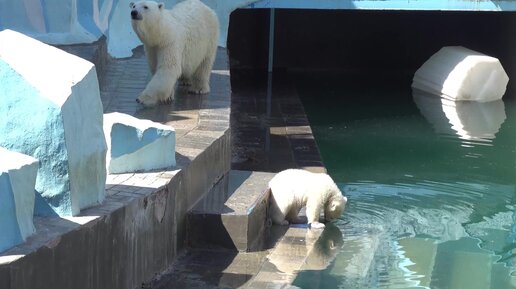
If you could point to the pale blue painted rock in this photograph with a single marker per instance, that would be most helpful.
(17, 180)
(138, 145)
(50, 109)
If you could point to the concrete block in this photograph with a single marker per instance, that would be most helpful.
(138, 145)
(458, 73)
(233, 214)
(17, 180)
(50, 108)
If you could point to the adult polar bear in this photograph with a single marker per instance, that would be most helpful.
(293, 189)
(179, 43)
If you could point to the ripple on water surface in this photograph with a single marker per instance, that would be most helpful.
(431, 188)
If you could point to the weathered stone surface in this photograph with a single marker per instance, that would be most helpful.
(138, 145)
(232, 215)
(50, 109)
(458, 73)
(17, 180)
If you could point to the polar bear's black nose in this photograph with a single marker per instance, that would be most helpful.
(134, 14)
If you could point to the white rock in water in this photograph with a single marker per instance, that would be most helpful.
(17, 179)
(458, 73)
(138, 145)
(50, 109)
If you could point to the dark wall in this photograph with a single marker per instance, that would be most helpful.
(248, 36)
(364, 40)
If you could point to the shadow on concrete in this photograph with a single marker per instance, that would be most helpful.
(200, 269)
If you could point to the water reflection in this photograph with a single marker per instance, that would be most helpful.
(470, 120)
(317, 249)
(423, 212)
(422, 235)
(327, 246)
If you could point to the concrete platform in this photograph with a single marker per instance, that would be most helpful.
(269, 127)
(287, 250)
(140, 228)
(233, 215)
(210, 269)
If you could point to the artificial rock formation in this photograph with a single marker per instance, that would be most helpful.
(17, 180)
(50, 109)
(138, 145)
(457, 73)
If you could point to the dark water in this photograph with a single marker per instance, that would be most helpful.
(431, 185)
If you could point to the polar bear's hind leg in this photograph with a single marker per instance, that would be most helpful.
(201, 76)
(293, 217)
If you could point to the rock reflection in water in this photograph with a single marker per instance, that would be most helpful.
(469, 120)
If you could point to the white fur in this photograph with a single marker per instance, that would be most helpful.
(179, 43)
(293, 189)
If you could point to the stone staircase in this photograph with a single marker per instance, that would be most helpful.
(233, 215)
(232, 244)
(228, 232)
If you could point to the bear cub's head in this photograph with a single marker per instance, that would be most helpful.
(142, 10)
(335, 205)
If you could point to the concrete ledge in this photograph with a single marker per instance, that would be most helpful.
(140, 228)
(298, 249)
(233, 215)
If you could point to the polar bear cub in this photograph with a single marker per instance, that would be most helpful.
(180, 43)
(293, 189)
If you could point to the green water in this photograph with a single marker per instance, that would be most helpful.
(431, 187)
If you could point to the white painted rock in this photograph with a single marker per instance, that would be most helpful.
(50, 109)
(458, 73)
(138, 145)
(17, 180)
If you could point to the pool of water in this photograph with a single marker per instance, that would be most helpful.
(431, 185)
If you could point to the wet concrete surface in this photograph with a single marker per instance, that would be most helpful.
(270, 131)
(234, 214)
(287, 251)
(209, 269)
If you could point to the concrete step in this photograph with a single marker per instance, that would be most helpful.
(233, 215)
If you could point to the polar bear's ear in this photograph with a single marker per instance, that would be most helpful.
(334, 205)
(131, 5)
(161, 5)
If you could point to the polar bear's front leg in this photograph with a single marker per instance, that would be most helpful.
(184, 81)
(313, 211)
(151, 58)
(160, 88)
